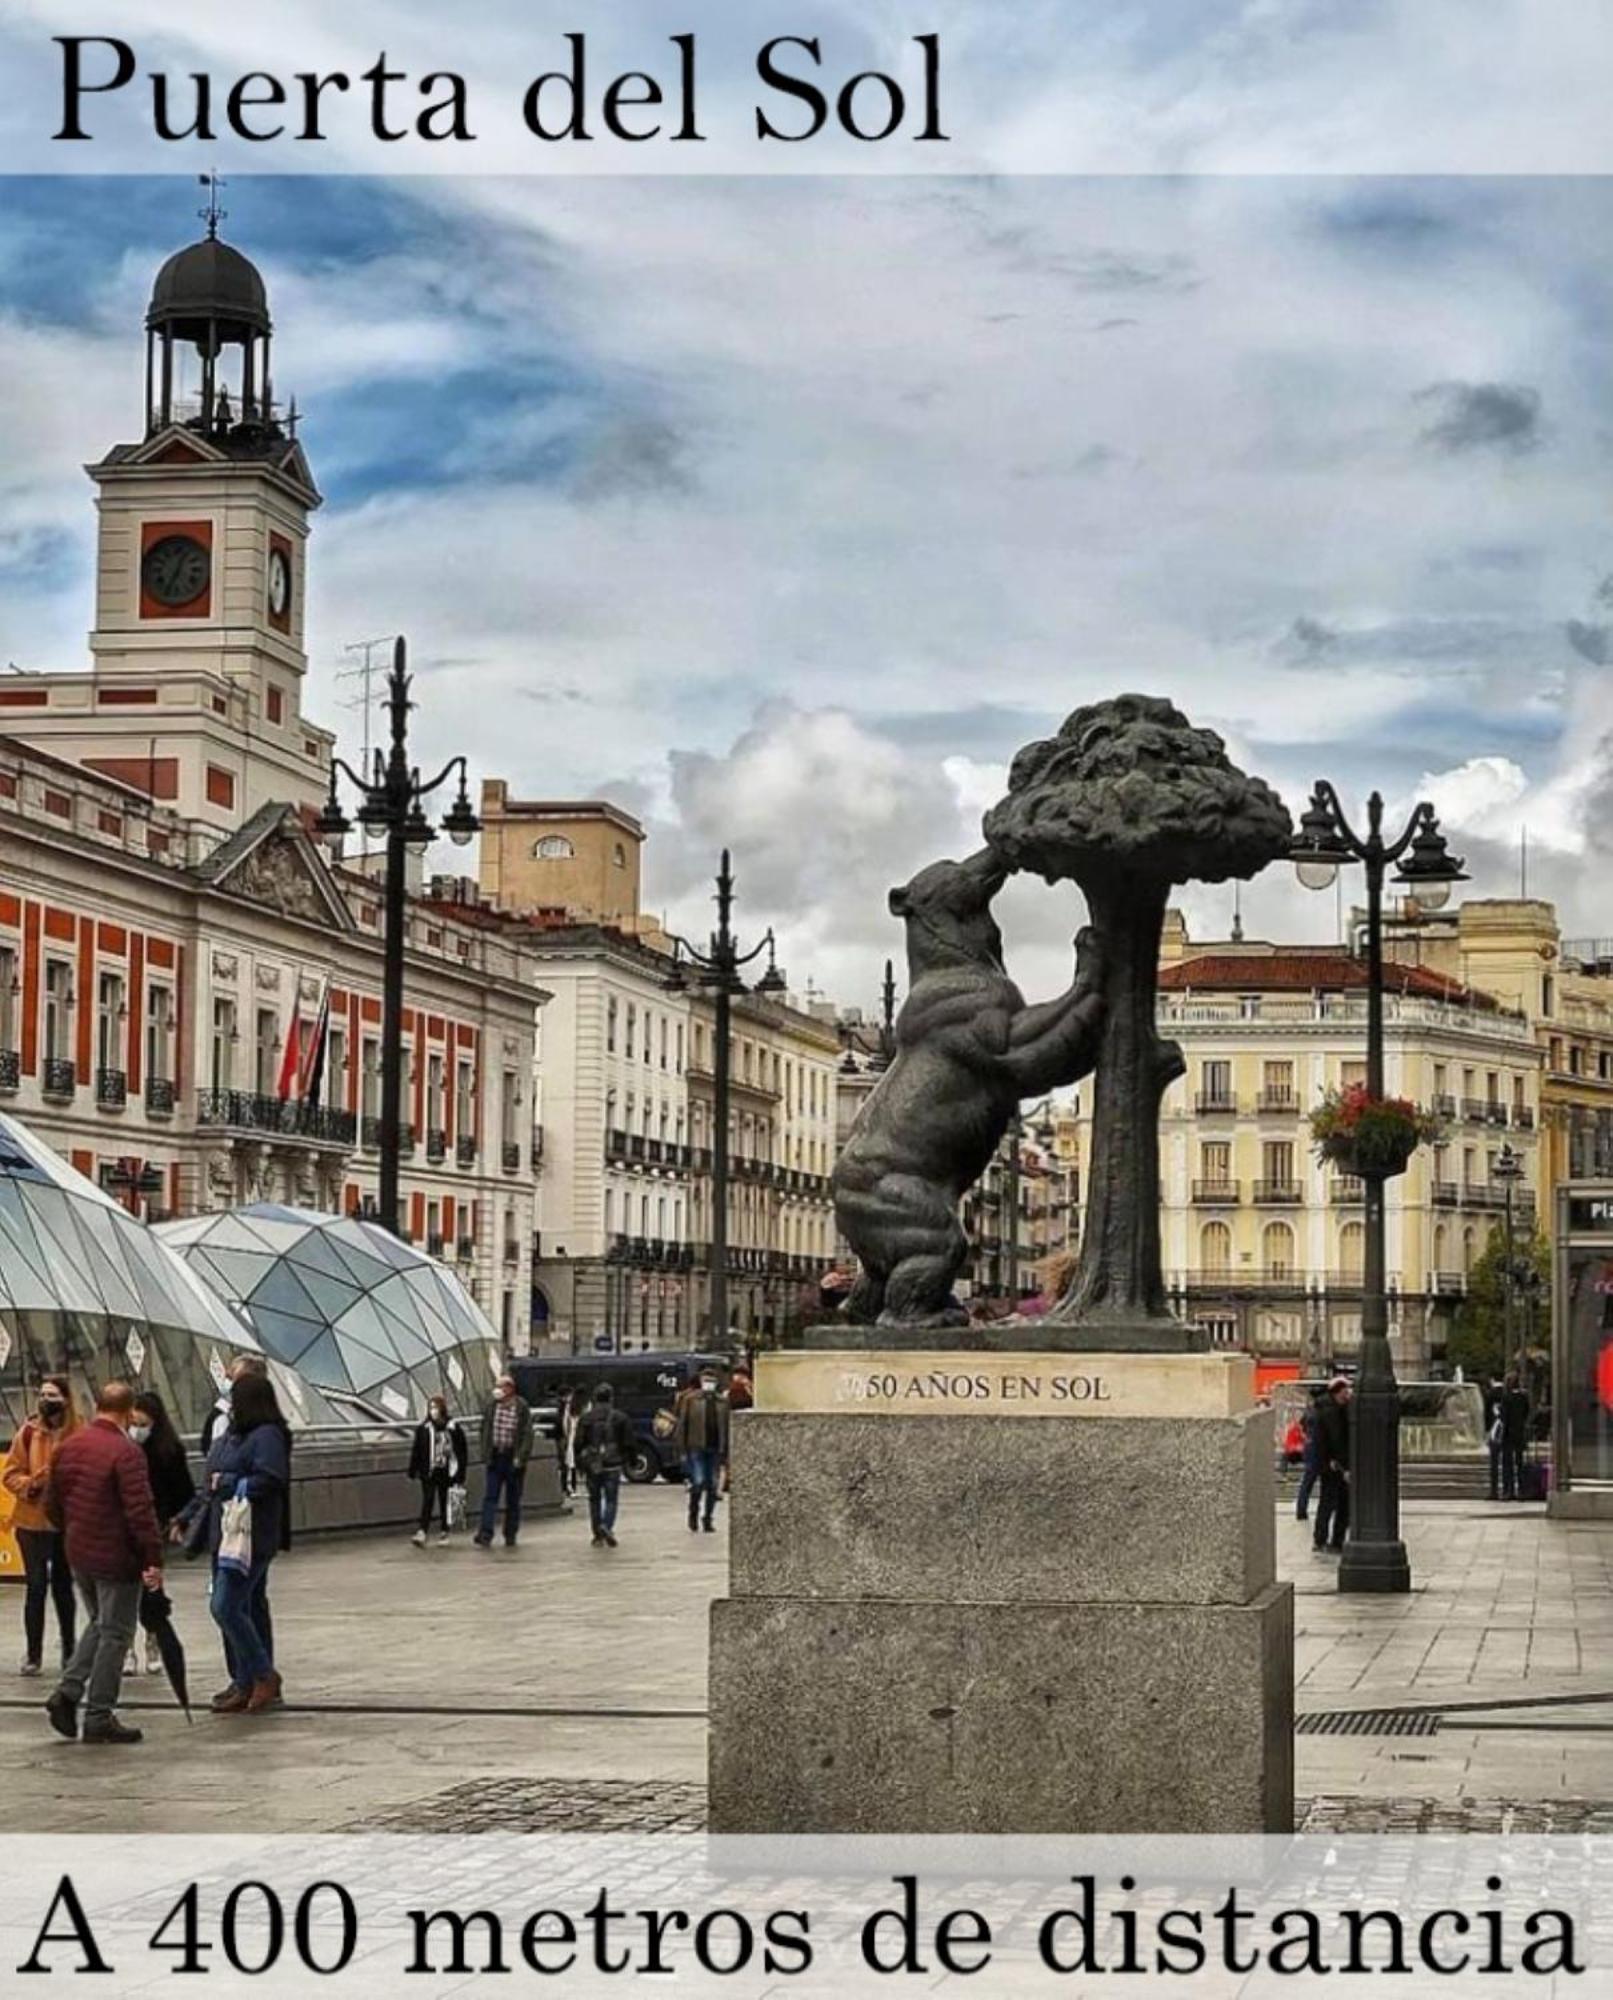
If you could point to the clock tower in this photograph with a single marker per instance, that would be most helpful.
(198, 661)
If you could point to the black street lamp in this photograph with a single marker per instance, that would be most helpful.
(718, 968)
(1508, 1170)
(1374, 1556)
(883, 1053)
(391, 803)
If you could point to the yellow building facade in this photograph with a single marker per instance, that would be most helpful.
(1263, 1244)
(1512, 950)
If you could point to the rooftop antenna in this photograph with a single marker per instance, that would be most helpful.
(1237, 912)
(212, 215)
(365, 674)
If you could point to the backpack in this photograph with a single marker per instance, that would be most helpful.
(597, 1449)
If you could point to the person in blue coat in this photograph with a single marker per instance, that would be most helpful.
(250, 1459)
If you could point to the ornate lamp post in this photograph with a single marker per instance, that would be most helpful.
(1374, 1556)
(718, 969)
(1508, 1170)
(391, 802)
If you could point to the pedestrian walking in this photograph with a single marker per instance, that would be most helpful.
(26, 1476)
(1494, 1429)
(700, 1434)
(1333, 1456)
(506, 1447)
(1310, 1453)
(605, 1439)
(99, 1496)
(251, 1464)
(1513, 1417)
(439, 1460)
(572, 1411)
(172, 1490)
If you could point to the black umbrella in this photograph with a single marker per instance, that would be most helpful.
(157, 1616)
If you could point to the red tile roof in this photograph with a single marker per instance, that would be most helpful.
(1310, 969)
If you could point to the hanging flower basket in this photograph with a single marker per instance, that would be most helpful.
(1370, 1137)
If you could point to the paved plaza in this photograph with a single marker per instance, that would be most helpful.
(456, 1690)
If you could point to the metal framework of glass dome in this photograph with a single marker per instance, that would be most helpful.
(352, 1309)
(87, 1290)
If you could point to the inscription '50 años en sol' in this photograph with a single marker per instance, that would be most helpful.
(952, 1385)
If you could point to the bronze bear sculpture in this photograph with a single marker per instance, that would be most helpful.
(968, 1050)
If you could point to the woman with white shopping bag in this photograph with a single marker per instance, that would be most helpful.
(439, 1460)
(239, 1517)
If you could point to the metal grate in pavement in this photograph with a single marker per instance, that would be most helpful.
(546, 1805)
(1370, 1722)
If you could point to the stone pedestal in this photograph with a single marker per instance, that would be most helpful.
(1007, 1594)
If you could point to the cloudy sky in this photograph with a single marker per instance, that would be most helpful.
(783, 510)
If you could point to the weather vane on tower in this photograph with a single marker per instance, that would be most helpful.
(212, 215)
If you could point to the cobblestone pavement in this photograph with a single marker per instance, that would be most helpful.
(559, 1685)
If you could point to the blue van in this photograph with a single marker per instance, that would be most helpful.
(643, 1385)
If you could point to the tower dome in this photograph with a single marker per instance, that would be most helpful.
(208, 296)
(209, 285)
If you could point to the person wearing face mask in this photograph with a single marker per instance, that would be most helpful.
(700, 1433)
(506, 1447)
(438, 1460)
(172, 1489)
(99, 1495)
(25, 1475)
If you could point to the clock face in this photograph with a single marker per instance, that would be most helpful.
(279, 583)
(176, 570)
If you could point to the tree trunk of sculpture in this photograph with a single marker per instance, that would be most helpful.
(1118, 1279)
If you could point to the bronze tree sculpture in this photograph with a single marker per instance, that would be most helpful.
(1128, 799)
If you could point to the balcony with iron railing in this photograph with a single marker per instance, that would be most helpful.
(1280, 1099)
(10, 1070)
(1279, 1193)
(434, 1245)
(436, 1145)
(1215, 1103)
(369, 1130)
(246, 1111)
(58, 1077)
(111, 1089)
(1217, 1193)
(1346, 1191)
(465, 1149)
(160, 1096)
(510, 1156)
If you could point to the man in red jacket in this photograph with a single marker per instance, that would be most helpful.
(100, 1497)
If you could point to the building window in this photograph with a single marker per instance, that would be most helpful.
(8, 997)
(1215, 1162)
(225, 1037)
(680, 1049)
(1352, 1250)
(370, 1077)
(58, 1009)
(268, 1052)
(465, 1101)
(632, 1030)
(618, 855)
(159, 1025)
(1215, 1082)
(553, 847)
(220, 788)
(334, 1090)
(610, 1025)
(1277, 1250)
(110, 1015)
(1215, 1249)
(276, 705)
